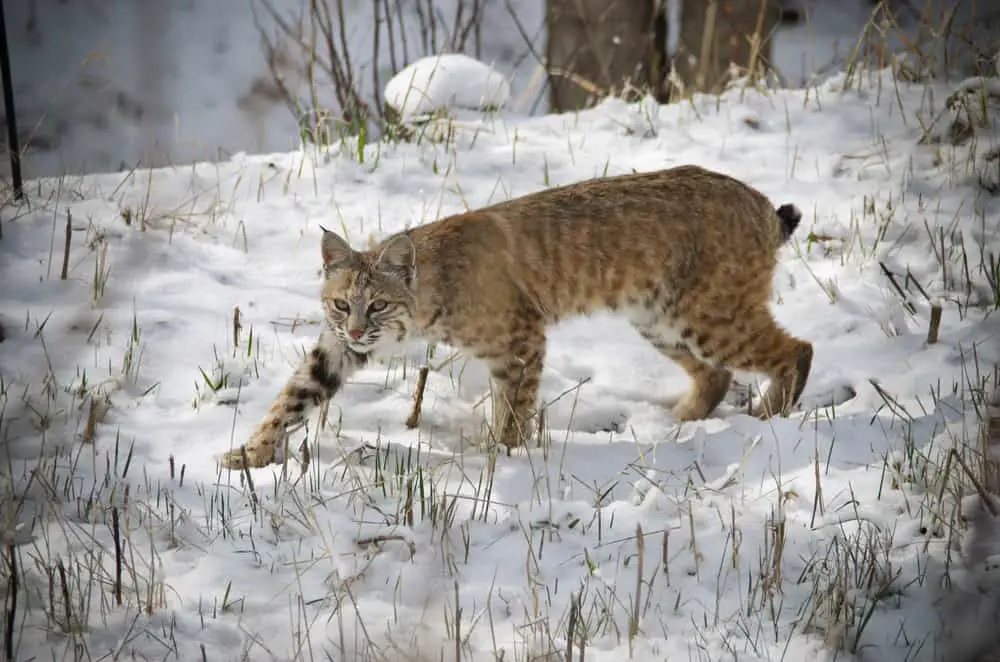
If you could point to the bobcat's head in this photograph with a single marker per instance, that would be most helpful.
(367, 295)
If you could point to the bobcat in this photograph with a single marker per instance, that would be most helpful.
(686, 254)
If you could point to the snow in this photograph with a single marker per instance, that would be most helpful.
(968, 127)
(101, 85)
(445, 82)
(403, 544)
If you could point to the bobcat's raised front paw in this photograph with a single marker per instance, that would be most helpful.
(261, 450)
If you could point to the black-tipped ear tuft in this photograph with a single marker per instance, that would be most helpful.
(336, 252)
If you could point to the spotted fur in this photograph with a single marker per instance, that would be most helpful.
(687, 255)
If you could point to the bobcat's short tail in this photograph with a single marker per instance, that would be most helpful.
(790, 216)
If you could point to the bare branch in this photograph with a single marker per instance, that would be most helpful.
(319, 45)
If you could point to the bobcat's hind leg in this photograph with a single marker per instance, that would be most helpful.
(709, 384)
(752, 341)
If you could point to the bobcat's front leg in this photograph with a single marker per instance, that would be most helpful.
(315, 381)
(517, 373)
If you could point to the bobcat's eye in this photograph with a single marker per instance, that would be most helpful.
(376, 306)
(342, 305)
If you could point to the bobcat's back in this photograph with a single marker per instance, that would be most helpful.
(617, 242)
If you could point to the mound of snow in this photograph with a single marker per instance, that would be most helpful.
(969, 126)
(445, 82)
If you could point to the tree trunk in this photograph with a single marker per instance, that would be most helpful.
(595, 47)
(720, 40)
(152, 30)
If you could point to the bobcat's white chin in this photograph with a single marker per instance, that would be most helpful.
(372, 343)
(360, 347)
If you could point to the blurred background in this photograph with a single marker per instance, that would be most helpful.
(103, 85)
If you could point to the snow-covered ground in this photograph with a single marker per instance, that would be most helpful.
(824, 534)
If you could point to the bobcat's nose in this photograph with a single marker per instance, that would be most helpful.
(356, 334)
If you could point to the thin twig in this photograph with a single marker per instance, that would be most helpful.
(13, 586)
(935, 324)
(418, 398)
(69, 236)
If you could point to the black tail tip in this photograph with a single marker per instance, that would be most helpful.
(790, 217)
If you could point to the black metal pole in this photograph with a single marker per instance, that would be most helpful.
(8, 104)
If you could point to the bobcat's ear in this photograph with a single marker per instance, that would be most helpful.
(335, 250)
(398, 257)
